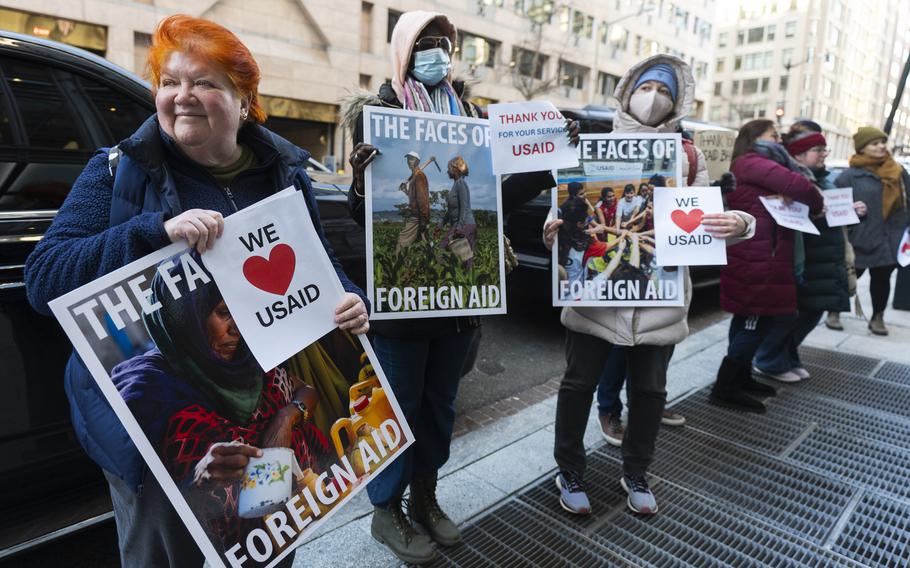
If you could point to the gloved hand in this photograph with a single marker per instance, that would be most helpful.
(726, 183)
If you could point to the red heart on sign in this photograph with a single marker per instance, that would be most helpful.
(273, 275)
(688, 222)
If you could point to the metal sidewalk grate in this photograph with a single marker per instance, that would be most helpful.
(894, 373)
(858, 390)
(691, 531)
(856, 364)
(822, 479)
(878, 533)
(753, 430)
(791, 498)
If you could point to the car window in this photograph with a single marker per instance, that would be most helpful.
(46, 115)
(6, 124)
(121, 114)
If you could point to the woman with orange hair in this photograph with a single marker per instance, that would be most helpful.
(201, 157)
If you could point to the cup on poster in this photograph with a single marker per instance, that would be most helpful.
(267, 483)
(794, 215)
(839, 207)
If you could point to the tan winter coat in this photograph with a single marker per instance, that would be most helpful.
(649, 326)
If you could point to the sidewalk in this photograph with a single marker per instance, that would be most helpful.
(498, 468)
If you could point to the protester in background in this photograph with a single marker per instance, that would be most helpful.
(423, 358)
(883, 185)
(758, 284)
(654, 95)
(820, 269)
(203, 156)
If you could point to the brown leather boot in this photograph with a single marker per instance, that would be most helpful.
(877, 324)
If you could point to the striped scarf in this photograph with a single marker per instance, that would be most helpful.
(442, 100)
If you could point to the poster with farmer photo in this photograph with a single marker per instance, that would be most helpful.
(604, 252)
(185, 378)
(433, 217)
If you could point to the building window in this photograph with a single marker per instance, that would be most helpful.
(735, 89)
(619, 37)
(366, 27)
(738, 63)
(572, 75)
(770, 32)
(393, 19)
(740, 38)
(784, 80)
(529, 63)
(750, 86)
(765, 82)
(786, 56)
(722, 40)
(565, 15)
(141, 44)
(719, 66)
(606, 83)
(477, 51)
(718, 87)
(756, 35)
(365, 81)
(790, 29)
(578, 23)
(701, 70)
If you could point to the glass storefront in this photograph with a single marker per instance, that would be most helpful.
(90, 37)
(307, 124)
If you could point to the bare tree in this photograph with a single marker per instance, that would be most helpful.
(528, 66)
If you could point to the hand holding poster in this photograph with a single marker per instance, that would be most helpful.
(839, 207)
(527, 134)
(680, 238)
(166, 352)
(605, 249)
(794, 215)
(433, 217)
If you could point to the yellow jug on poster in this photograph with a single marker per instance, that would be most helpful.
(355, 429)
(369, 400)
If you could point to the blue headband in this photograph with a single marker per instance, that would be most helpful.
(663, 73)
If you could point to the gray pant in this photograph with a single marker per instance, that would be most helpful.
(149, 530)
(646, 370)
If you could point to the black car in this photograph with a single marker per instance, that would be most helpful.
(524, 226)
(58, 104)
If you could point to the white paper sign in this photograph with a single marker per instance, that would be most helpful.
(839, 207)
(265, 265)
(618, 169)
(679, 236)
(793, 216)
(903, 250)
(528, 137)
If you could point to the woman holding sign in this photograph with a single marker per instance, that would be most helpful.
(821, 275)
(758, 283)
(423, 358)
(654, 96)
(883, 185)
(201, 157)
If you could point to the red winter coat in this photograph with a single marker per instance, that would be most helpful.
(758, 279)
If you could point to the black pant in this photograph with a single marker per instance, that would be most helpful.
(746, 335)
(646, 370)
(879, 285)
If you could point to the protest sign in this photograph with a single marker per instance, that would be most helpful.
(604, 253)
(839, 207)
(717, 146)
(679, 236)
(527, 134)
(162, 345)
(903, 250)
(259, 264)
(793, 215)
(433, 217)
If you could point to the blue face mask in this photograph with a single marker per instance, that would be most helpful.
(431, 66)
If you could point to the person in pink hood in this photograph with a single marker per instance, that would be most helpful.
(422, 358)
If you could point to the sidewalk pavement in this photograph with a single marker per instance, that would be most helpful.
(492, 463)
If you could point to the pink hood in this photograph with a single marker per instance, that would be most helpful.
(409, 26)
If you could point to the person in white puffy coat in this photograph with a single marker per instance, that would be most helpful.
(653, 96)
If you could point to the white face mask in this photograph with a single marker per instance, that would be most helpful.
(650, 108)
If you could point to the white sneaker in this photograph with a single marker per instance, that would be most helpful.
(800, 372)
(785, 377)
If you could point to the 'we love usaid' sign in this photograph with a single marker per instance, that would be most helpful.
(679, 236)
(275, 277)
